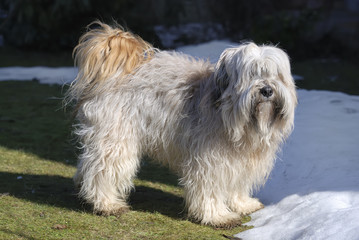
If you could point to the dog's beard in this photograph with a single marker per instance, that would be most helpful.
(266, 113)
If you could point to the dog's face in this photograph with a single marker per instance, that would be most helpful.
(255, 90)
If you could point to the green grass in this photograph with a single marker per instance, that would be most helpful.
(328, 74)
(37, 196)
(15, 57)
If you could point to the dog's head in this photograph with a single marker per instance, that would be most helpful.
(254, 90)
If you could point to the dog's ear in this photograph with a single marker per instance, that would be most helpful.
(221, 76)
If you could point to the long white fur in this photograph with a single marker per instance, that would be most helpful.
(208, 123)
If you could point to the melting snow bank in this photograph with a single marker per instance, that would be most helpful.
(59, 75)
(319, 215)
(175, 36)
(208, 51)
(313, 191)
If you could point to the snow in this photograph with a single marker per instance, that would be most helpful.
(209, 51)
(175, 36)
(313, 191)
(59, 75)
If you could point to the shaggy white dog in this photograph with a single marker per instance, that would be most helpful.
(217, 126)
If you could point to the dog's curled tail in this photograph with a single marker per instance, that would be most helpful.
(104, 52)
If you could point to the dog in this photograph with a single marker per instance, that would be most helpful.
(217, 126)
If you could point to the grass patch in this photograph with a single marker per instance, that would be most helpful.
(37, 198)
(15, 57)
(328, 74)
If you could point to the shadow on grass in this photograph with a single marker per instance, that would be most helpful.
(32, 120)
(146, 199)
(59, 191)
(51, 190)
(154, 172)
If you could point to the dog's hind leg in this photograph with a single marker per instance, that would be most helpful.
(105, 173)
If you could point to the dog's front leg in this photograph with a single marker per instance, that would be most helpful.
(244, 204)
(206, 199)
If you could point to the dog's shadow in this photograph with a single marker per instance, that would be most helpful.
(152, 200)
(148, 199)
(58, 191)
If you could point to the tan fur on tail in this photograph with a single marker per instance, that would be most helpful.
(103, 52)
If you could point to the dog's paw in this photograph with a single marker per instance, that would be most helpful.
(228, 221)
(247, 206)
(228, 225)
(112, 211)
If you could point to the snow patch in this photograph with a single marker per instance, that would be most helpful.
(49, 75)
(209, 50)
(180, 35)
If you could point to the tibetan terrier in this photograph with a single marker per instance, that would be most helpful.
(218, 127)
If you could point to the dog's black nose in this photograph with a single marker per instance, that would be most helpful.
(266, 91)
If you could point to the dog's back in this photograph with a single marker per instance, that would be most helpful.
(118, 66)
(109, 57)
